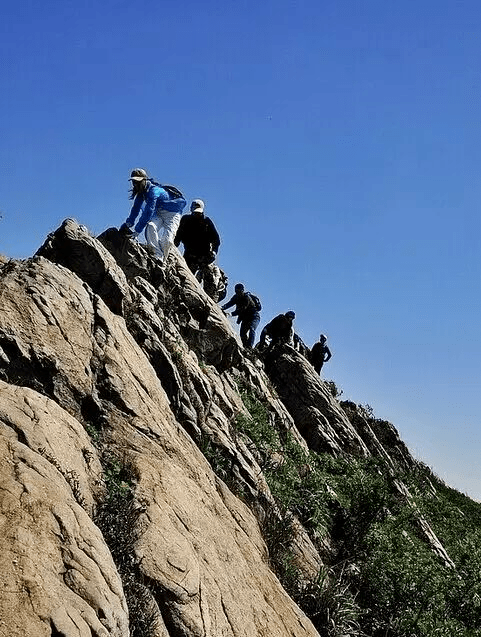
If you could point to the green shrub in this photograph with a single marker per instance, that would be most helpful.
(383, 579)
(117, 518)
(330, 605)
(333, 389)
(221, 463)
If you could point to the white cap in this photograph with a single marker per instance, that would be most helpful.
(197, 206)
(138, 174)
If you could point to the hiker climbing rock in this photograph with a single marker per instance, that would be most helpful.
(247, 311)
(201, 243)
(279, 330)
(161, 212)
(320, 354)
(199, 236)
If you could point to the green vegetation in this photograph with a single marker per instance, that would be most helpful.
(382, 578)
(117, 517)
(95, 434)
(221, 464)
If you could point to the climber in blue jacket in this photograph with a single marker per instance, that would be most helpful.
(161, 211)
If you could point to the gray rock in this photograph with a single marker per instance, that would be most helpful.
(116, 375)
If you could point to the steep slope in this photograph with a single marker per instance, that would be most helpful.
(123, 387)
(68, 359)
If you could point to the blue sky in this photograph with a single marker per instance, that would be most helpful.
(337, 146)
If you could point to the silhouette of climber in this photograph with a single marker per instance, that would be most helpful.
(161, 211)
(279, 330)
(247, 312)
(320, 354)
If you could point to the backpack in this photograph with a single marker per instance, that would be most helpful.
(214, 281)
(172, 191)
(177, 201)
(256, 301)
(222, 286)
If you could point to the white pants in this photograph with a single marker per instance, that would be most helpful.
(167, 222)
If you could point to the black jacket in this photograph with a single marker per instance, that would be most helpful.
(245, 307)
(279, 327)
(320, 353)
(198, 234)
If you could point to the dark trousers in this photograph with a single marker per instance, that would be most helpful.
(248, 330)
(318, 366)
(197, 261)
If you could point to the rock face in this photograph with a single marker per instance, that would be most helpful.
(115, 376)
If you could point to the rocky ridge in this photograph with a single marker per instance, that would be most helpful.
(117, 379)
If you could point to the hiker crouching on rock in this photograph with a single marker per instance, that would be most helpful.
(161, 212)
(279, 330)
(320, 354)
(247, 307)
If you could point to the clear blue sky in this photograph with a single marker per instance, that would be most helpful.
(337, 146)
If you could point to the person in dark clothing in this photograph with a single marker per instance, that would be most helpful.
(279, 330)
(300, 346)
(320, 354)
(247, 308)
(199, 236)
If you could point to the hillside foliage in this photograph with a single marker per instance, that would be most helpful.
(381, 579)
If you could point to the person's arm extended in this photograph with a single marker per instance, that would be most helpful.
(153, 194)
(215, 239)
(134, 211)
(179, 235)
(229, 304)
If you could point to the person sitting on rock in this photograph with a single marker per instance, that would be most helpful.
(161, 207)
(199, 236)
(279, 330)
(247, 307)
(320, 354)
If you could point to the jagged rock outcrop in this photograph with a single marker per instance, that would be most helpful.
(324, 424)
(115, 374)
(199, 547)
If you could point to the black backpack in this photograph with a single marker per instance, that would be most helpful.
(172, 191)
(256, 301)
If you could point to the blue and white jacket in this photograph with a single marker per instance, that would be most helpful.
(155, 198)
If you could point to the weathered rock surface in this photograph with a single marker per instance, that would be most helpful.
(57, 572)
(198, 545)
(114, 375)
(324, 424)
